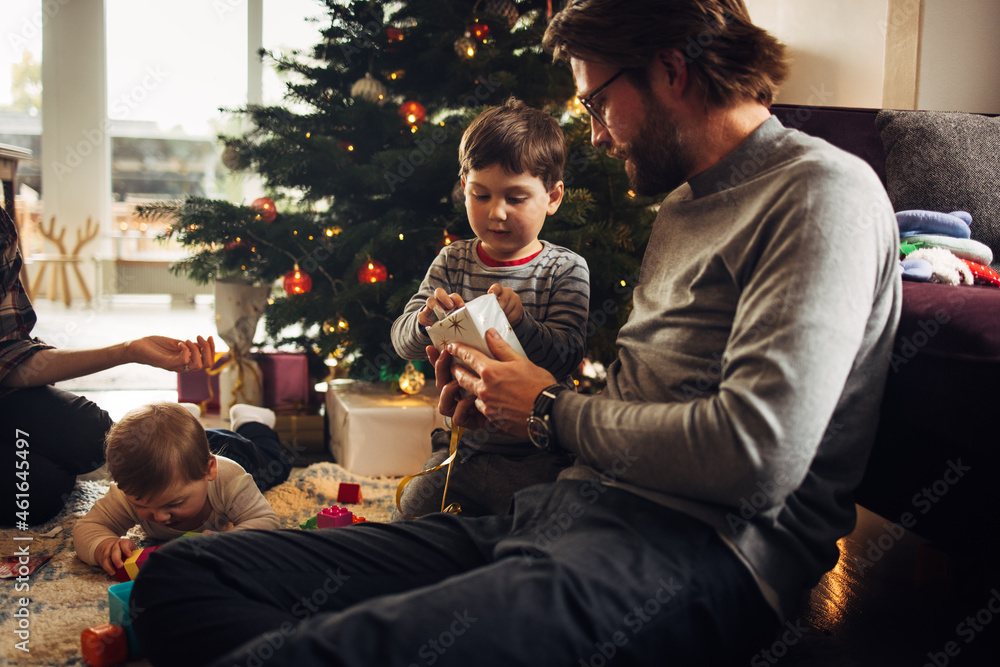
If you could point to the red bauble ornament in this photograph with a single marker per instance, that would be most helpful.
(413, 113)
(266, 210)
(297, 281)
(479, 30)
(449, 239)
(372, 272)
(394, 35)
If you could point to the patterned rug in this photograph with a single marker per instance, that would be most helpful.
(66, 596)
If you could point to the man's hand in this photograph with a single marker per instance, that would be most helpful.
(172, 354)
(112, 553)
(441, 299)
(504, 389)
(510, 303)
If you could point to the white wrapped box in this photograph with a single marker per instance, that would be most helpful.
(377, 432)
(469, 325)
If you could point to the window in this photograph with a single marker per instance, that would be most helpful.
(21, 107)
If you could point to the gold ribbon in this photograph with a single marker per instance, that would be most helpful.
(209, 374)
(454, 508)
(237, 385)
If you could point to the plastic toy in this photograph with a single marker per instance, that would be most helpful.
(334, 517)
(130, 568)
(104, 645)
(312, 523)
(349, 493)
(120, 613)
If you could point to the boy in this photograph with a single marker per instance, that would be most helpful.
(168, 482)
(511, 162)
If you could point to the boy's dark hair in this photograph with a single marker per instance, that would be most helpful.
(730, 57)
(154, 447)
(518, 138)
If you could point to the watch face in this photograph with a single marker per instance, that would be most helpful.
(538, 431)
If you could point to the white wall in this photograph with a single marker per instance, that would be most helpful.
(839, 51)
(960, 56)
(837, 47)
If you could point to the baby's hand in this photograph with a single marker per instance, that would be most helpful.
(510, 303)
(112, 553)
(229, 526)
(441, 299)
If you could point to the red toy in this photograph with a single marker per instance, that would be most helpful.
(104, 645)
(349, 493)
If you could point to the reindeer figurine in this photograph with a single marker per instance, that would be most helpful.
(60, 276)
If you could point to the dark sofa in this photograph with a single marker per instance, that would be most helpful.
(935, 464)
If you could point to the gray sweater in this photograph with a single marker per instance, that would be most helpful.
(750, 371)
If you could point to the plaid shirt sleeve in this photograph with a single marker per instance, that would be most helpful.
(17, 317)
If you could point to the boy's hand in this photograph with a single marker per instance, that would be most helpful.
(510, 303)
(112, 553)
(441, 299)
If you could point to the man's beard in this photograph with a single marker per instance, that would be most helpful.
(656, 159)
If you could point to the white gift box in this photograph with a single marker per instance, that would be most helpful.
(376, 431)
(469, 325)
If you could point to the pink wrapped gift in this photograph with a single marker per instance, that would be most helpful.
(288, 389)
(200, 387)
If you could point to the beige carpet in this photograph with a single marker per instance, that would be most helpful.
(67, 596)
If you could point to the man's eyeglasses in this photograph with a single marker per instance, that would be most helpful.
(588, 101)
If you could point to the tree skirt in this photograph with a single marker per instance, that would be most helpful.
(67, 595)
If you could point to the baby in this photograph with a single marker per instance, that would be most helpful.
(169, 483)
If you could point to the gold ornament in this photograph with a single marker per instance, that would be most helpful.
(465, 47)
(411, 381)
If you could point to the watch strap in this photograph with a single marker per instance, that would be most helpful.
(546, 400)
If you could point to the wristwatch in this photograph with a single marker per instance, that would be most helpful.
(541, 430)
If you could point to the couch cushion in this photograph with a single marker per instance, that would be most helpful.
(944, 161)
(938, 418)
(853, 130)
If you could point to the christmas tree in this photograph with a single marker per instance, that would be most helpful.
(362, 174)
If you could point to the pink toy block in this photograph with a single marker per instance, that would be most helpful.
(334, 517)
(349, 493)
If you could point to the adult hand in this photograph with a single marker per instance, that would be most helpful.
(451, 399)
(172, 354)
(504, 389)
